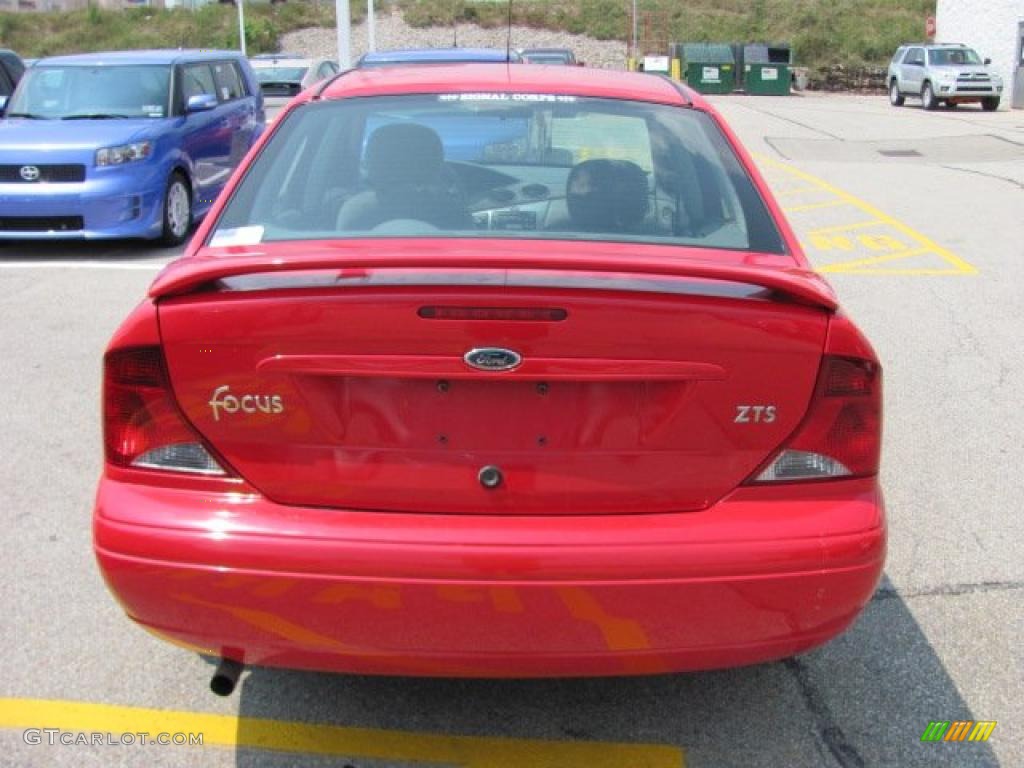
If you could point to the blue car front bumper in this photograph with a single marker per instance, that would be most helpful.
(114, 203)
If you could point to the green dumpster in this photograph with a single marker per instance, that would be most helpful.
(767, 69)
(767, 79)
(710, 67)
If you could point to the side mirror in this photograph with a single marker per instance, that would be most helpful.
(201, 102)
(988, 61)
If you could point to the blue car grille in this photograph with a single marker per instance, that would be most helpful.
(41, 223)
(54, 173)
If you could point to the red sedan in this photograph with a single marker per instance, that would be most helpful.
(494, 371)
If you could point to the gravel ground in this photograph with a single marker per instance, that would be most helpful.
(393, 32)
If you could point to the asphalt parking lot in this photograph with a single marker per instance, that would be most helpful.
(918, 219)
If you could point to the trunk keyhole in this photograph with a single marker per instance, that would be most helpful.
(490, 477)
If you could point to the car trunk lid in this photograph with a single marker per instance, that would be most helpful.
(621, 391)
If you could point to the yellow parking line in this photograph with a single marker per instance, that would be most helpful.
(847, 227)
(803, 189)
(816, 206)
(900, 272)
(854, 266)
(332, 740)
(961, 266)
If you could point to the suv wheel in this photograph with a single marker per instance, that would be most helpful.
(895, 97)
(928, 100)
(990, 104)
(177, 210)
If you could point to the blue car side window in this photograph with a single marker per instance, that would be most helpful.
(197, 79)
(228, 83)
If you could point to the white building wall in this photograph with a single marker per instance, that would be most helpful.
(987, 26)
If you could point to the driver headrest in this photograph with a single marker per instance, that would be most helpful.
(403, 153)
(607, 194)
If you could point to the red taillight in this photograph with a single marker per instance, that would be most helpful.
(841, 435)
(142, 426)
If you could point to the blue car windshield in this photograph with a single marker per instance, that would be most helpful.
(93, 92)
(520, 165)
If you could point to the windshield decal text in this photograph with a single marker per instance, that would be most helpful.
(550, 98)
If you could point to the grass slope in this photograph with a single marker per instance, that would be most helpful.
(823, 32)
(211, 26)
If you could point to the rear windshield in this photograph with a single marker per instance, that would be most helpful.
(281, 74)
(548, 58)
(498, 165)
(98, 92)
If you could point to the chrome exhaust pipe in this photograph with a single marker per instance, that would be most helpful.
(225, 678)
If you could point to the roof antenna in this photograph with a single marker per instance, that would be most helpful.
(455, 27)
(508, 39)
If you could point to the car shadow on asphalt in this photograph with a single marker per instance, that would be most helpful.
(865, 699)
(79, 250)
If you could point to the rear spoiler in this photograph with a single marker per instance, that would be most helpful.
(349, 258)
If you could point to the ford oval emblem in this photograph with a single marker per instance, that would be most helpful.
(492, 359)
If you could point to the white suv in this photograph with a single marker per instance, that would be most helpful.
(942, 74)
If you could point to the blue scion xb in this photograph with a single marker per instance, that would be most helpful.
(126, 144)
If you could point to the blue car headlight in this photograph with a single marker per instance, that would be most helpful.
(124, 153)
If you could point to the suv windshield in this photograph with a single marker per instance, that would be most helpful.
(498, 165)
(952, 57)
(84, 92)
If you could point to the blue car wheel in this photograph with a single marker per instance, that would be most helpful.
(177, 210)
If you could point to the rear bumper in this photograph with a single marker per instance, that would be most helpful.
(764, 574)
